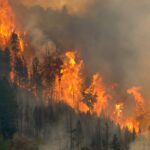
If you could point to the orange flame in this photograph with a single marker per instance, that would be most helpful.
(118, 112)
(71, 82)
(69, 87)
(21, 43)
(132, 125)
(7, 22)
(98, 90)
(138, 98)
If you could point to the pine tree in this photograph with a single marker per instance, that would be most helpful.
(36, 77)
(106, 139)
(127, 138)
(17, 60)
(4, 143)
(8, 109)
(133, 134)
(115, 143)
(97, 140)
(78, 135)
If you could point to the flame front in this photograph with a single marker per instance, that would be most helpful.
(138, 99)
(62, 80)
(7, 38)
(7, 22)
(70, 86)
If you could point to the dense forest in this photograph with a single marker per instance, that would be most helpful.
(74, 75)
(28, 123)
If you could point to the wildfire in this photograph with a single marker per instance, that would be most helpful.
(21, 43)
(141, 114)
(97, 95)
(138, 99)
(70, 85)
(139, 117)
(132, 124)
(64, 81)
(118, 112)
(119, 108)
(128, 122)
(9, 38)
(100, 91)
(7, 22)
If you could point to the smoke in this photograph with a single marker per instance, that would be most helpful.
(58, 138)
(141, 143)
(112, 36)
(73, 7)
(41, 43)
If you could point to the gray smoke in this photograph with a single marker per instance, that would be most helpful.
(73, 7)
(57, 139)
(141, 143)
(112, 35)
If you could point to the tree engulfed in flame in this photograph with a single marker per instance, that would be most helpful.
(7, 28)
(7, 22)
(101, 94)
(132, 124)
(63, 80)
(97, 95)
(138, 99)
(70, 86)
(118, 112)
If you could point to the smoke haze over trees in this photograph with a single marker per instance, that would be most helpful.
(51, 99)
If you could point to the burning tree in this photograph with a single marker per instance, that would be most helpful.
(89, 100)
(17, 61)
(8, 109)
(7, 23)
(115, 143)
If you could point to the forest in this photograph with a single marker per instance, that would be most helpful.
(28, 123)
(74, 75)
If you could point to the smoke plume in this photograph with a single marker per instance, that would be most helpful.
(73, 7)
(141, 143)
(112, 36)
